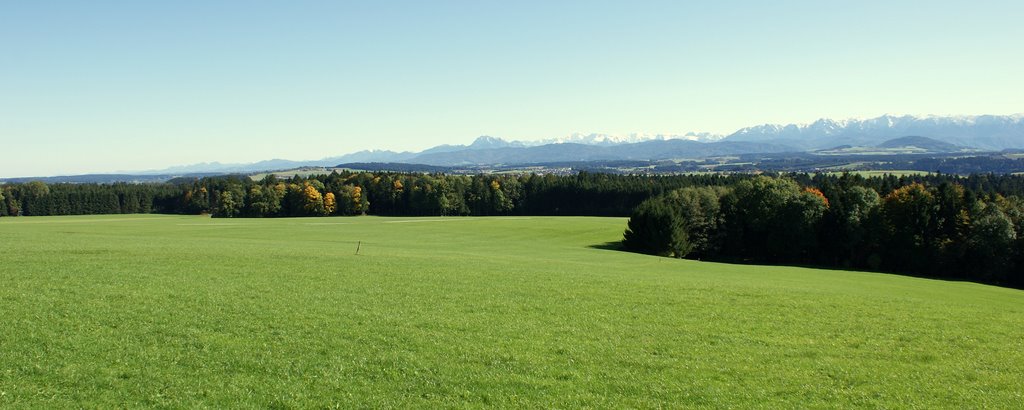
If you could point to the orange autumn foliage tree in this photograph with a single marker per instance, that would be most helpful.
(817, 192)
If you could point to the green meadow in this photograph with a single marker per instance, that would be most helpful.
(882, 173)
(188, 311)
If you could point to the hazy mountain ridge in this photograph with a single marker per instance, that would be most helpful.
(435, 153)
(568, 152)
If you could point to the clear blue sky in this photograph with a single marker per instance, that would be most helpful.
(98, 86)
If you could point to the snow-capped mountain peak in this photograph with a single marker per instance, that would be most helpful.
(978, 131)
(486, 142)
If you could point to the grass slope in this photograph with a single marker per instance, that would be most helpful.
(130, 311)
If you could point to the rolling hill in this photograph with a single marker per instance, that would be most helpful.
(924, 143)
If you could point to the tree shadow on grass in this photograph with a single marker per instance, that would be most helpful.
(617, 246)
(609, 246)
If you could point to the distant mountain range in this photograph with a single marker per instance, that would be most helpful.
(940, 134)
(985, 132)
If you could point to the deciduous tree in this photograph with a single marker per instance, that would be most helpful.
(330, 205)
(313, 201)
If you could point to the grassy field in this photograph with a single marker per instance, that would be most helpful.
(182, 311)
(302, 172)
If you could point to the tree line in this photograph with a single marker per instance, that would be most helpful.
(936, 226)
(38, 198)
(424, 194)
(355, 193)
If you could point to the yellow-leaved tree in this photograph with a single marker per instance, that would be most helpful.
(314, 201)
(330, 205)
(357, 200)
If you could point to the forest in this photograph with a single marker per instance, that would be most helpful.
(935, 225)
(939, 227)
